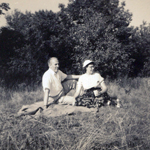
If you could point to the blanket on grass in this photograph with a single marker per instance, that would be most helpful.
(53, 110)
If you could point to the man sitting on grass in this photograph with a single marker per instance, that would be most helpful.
(57, 84)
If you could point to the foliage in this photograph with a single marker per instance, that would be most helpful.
(102, 34)
(11, 41)
(42, 37)
(141, 52)
(97, 29)
(4, 6)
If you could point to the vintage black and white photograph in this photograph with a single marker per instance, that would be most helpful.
(74, 74)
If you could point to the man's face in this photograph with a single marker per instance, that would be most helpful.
(54, 65)
(90, 69)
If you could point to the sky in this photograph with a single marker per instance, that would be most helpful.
(31, 5)
(139, 8)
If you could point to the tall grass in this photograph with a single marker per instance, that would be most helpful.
(111, 128)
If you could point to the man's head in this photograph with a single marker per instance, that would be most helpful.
(53, 64)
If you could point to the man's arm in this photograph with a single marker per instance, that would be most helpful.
(69, 77)
(46, 95)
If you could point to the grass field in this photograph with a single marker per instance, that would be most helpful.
(111, 128)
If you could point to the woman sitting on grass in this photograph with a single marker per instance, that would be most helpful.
(91, 88)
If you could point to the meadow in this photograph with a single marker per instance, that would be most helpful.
(112, 128)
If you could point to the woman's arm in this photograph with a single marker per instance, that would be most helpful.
(103, 87)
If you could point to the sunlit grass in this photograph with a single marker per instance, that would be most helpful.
(111, 128)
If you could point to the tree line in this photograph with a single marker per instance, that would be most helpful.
(88, 29)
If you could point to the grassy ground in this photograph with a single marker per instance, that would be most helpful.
(112, 128)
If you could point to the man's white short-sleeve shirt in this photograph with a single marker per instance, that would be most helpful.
(89, 81)
(52, 81)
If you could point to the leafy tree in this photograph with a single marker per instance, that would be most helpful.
(44, 34)
(28, 58)
(10, 41)
(141, 53)
(101, 33)
(4, 6)
(95, 29)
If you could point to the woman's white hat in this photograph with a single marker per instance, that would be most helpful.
(86, 62)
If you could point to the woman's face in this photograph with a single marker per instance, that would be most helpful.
(90, 69)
